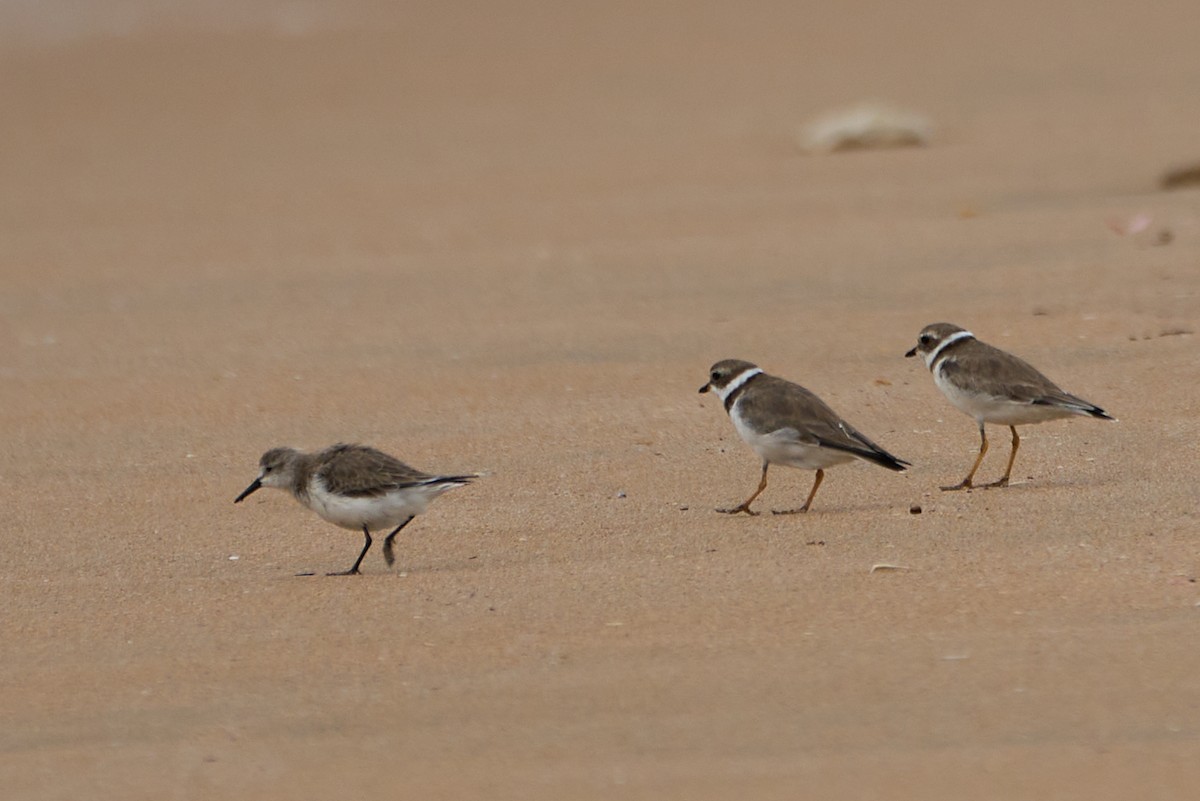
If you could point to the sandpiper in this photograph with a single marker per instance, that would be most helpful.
(993, 386)
(788, 425)
(355, 487)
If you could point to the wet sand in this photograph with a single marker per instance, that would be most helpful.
(513, 241)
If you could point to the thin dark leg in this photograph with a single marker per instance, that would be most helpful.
(811, 494)
(387, 544)
(745, 507)
(983, 448)
(1012, 457)
(353, 571)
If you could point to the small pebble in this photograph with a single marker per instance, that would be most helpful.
(915, 509)
(1182, 177)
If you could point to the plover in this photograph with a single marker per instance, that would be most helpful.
(354, 487)
(788, 425)
(993, 386)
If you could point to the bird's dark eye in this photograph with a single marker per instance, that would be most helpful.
(715, 375)
(926, 339)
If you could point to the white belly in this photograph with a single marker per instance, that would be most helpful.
(1000, 411)
(781, 447)
(380, 512)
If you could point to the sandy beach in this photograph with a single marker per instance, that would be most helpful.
(510, 238)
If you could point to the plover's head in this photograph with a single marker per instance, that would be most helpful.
(277, 468)
(934, 337)
(728, 374)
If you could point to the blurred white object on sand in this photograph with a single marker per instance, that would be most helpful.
(869, 125)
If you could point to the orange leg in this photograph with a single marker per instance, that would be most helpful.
(745, 507)
(1012, 457)
(811, 494)
(983, 448)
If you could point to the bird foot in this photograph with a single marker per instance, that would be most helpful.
(1003, 482)
(351, 572)
(737, 510)
(799, 510)
(965, 485)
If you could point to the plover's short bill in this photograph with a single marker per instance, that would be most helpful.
(788, 425)
(992, 386)
(354, 487)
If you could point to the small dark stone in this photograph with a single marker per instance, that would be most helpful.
(915, 509)
(1182, 177)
